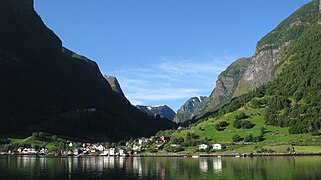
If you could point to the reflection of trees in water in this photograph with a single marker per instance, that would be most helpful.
(31, 167)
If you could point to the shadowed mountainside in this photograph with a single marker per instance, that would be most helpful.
(46, 87)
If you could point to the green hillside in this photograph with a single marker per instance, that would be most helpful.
(274, 139)
(280, 116)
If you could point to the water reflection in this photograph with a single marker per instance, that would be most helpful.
(31, 167)
(217, 165)
(203, 165)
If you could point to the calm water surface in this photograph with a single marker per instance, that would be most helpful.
(30, 167)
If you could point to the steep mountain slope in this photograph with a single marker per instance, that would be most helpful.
(226, 85)
(186, 112)
(45, 87)
(162, 111)
(280, 114)
(261, 68)
(115, 86)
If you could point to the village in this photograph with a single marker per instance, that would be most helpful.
(134, 147)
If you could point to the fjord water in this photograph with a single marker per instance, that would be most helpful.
(31, 167)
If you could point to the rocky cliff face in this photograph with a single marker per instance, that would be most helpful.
(186, 112)
(260, 70)
(246, 74)
(115, 86)
(163, 111)
(226, 84)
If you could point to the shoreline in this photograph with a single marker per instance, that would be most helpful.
(180, 155)
(230, 155)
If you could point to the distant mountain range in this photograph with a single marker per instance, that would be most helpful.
(187, 111)
(46, 87)
(162, 111)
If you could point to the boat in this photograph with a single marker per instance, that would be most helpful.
(195, 156)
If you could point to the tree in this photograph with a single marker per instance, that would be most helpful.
(258, 138)
(242, 115)
(262, 130)
(237, 123)
(218, 127)
(54, 138)
(41, 135)
(237, 138)
(223, 124)
(35, 135)
(248, 138)
(256, 103)
(246, 124)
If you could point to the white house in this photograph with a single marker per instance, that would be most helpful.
(70, 144)
(112, 151)
(142, 140)
(202, 146)
(122, 152)
(43, 151)
(100, 148)
(136, 148)
(29, 151)
(76, 152)
(105, 152)
(92, 149)
(218, 146)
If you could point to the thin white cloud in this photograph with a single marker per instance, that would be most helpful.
(170, 79)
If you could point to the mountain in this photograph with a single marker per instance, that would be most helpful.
(46, 87)
(280, 109)
(115, 86)
(186, 112)
(246, 74)
(163, 111)
(226, 85)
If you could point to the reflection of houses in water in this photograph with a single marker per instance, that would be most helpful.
(43, 162)
(122, 162)
(137, 166)
(100, 164)
(28, 161)
(217, 165)
(111, 162)
(75, 163)
(203, 165)
(70, 165)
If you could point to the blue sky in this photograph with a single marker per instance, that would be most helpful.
(164, 51)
